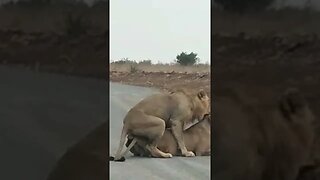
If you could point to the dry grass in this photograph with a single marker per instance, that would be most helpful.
(286, 21)
(160, 68)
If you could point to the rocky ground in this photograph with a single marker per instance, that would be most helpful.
(163, 80)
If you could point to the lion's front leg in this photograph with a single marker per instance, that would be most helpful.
(177, 130)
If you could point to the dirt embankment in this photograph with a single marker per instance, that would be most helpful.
(163, 80)
(53, 52)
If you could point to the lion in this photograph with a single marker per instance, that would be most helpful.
(255, 142)
(148, 119)
(197, 139)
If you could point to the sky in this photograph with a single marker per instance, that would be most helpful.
(159, 30)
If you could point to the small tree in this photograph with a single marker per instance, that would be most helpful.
(187, 59)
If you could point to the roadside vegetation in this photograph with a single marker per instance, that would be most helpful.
(184, 62)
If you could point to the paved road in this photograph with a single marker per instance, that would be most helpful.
(41, 115)
(122, 98)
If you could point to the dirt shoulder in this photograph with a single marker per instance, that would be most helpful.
(163, 80)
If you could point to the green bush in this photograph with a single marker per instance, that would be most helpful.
(187, 59)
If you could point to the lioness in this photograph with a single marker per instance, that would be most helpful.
(262, 142)
(148, 119)
(197, 139)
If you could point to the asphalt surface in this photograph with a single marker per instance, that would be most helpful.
(41, 115)
(122, 98)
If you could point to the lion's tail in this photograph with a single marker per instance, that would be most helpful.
(121, 144)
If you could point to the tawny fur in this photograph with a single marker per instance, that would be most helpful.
(197, 139)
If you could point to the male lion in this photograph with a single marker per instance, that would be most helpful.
(255, 142)
(197, 139)
(148, 119)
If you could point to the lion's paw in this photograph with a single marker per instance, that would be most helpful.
(189, 154)
(168, 155)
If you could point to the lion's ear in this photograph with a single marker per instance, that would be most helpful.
(202, 94)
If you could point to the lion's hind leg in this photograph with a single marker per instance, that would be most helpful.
(151, 128)
(139, 148)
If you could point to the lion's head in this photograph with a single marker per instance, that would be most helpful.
(200, 101)
(201, 104)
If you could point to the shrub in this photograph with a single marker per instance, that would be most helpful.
(187, 59)
(133, 69)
